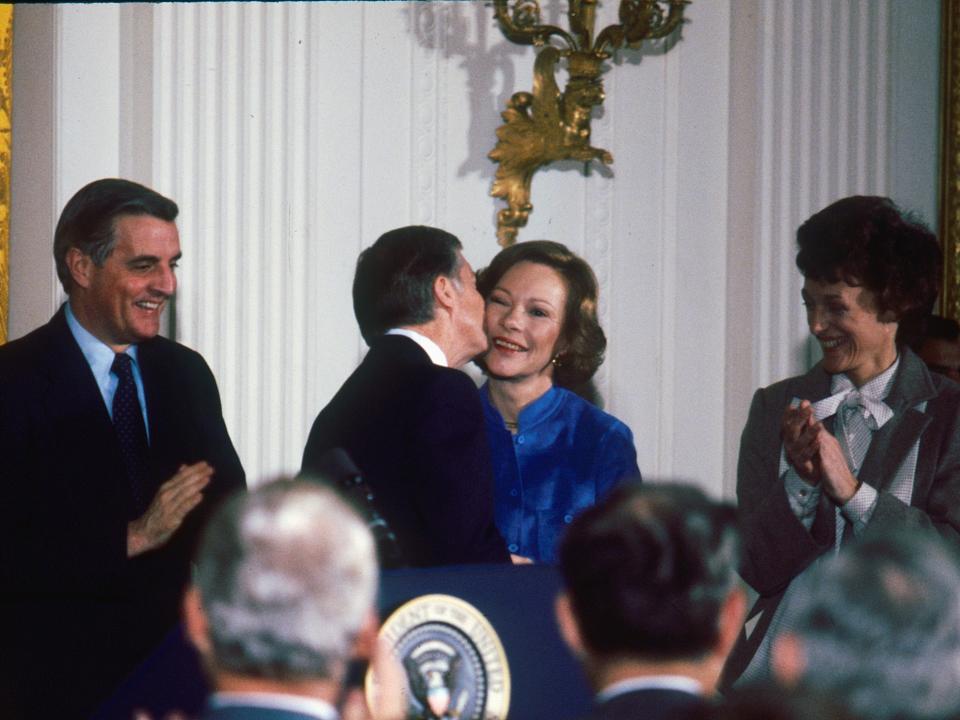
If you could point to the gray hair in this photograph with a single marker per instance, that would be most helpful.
(287, 574)
(880, 627)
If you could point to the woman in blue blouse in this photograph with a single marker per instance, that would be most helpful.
(554, 454)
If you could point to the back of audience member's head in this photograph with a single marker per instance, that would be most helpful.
(286, 576)
(880, 629)
(648, 571)
(938, 345)
(937, 327)
(393, 284)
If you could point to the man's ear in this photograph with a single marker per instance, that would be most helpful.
(787, 660)
(80, 266)
(444, 293)
(366, 643)
(195, 621)
(569, 627)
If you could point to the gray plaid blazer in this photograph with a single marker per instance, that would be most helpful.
(777, 547)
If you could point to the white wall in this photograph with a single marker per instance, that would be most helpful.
(292, 135)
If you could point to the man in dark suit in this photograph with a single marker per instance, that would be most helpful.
(114, 450)
(282, 601)
(412, 423)
(652, 604)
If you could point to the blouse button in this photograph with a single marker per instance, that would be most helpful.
(513, 492)
(568, 518)
(513, 547)
(520, 440)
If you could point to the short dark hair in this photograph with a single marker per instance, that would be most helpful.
(868, 241)
(582, 337)
(937, 327)
(89, 217)
(393, 284)
(648, 570)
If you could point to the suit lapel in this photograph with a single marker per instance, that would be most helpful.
(400, 350)
(892, 442)
(813, 386)
(170, 420)
(73, 410)
(72, 385)
(154, 392)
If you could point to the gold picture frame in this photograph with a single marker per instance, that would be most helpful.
(6, 114)
(950, 156)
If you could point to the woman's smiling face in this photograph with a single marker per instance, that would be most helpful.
(844, 320)
(524, 320)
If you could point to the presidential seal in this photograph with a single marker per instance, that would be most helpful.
(455, 667)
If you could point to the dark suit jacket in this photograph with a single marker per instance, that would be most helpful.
(652, 704)
(252, 712)
(777, 548)
(82, 613)
(416, 432)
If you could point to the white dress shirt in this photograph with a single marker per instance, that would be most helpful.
(314, 707)
(100, 357)
(680, 683)
(437, 356)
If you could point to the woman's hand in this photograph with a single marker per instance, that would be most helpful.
(815, 454)
(801, 436)
(835, 477)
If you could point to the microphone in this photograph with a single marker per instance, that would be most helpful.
(338, 467)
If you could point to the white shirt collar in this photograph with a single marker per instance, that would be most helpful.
(878, 387)
(651, 682)
(99, 355)
(437, 356)
(280, 701)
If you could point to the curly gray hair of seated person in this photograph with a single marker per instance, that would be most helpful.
(287, 574)
(880, 627)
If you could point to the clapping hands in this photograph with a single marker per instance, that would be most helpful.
(815, 453)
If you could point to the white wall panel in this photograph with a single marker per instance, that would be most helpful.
(250, 143)
(826, 123)
(697, 291)
(913, 151)
(292, 135)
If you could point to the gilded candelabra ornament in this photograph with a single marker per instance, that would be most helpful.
(547, 125)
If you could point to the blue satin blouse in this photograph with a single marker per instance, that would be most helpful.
(566, 455)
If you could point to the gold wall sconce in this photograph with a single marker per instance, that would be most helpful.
(546, 125)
